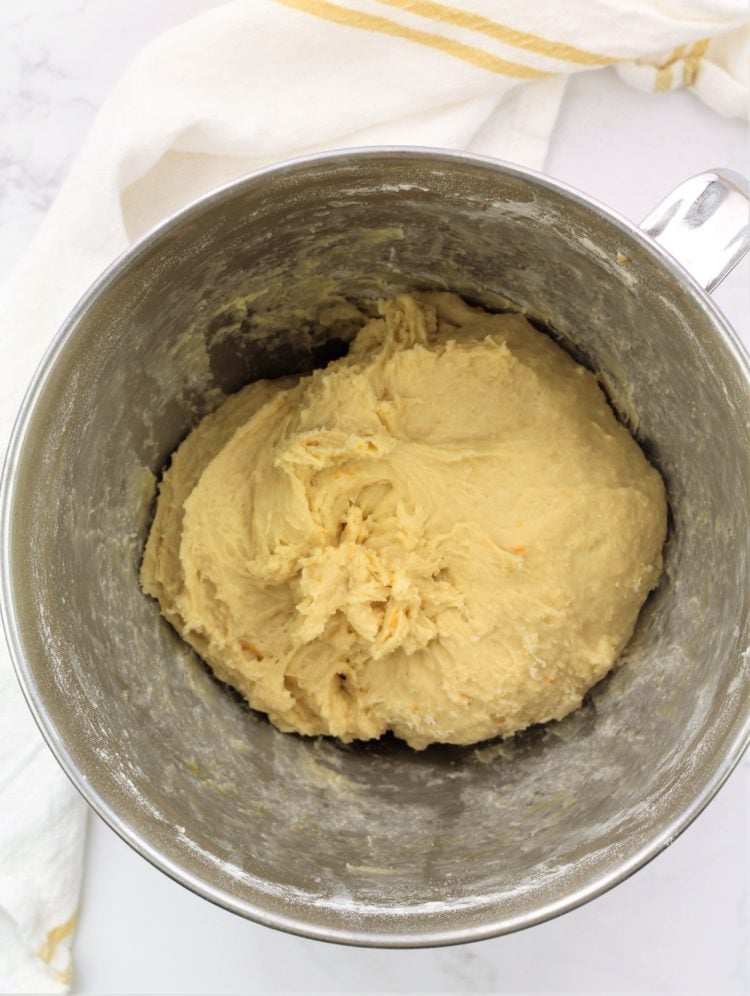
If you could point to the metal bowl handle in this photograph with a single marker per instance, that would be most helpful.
(705, 224)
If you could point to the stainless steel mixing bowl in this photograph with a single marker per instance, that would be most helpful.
(376, 844)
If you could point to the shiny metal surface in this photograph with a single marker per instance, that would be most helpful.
(373, 844)
(705, 224)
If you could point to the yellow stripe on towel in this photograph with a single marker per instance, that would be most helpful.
(371, 22)
(663, 80)
(692, 61)
(690, 64)
(55, 936)
(511, 36)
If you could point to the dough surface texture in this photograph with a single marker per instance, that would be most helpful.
(446, 533)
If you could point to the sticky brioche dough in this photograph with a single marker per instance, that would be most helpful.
(446, 534)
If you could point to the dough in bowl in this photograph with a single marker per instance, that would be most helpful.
(446, 533)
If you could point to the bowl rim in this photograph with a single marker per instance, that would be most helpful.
(495, 924)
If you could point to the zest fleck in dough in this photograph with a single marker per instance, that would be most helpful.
(446, 534)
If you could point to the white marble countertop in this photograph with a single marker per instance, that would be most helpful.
(680, 925)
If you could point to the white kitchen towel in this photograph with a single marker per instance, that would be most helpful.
(248, 84)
